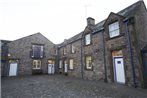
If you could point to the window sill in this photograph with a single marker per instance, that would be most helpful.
(116, 37)
(73, 53)
(71, 69)
(89, 69)
(88, 44)
(36, 68)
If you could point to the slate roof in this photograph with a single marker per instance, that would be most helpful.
(127, 12)
(35, 34)
(5, 41)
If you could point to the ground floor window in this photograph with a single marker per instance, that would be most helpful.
(88, 62)
(36, 64)
(60, 64)
(71, 63)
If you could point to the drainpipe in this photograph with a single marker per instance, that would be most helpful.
(105, 68)
(58, 55)
(126, 21)
(82, 56)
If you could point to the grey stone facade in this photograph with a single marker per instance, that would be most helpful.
(20, 52)
(95, 60)
(101, 47)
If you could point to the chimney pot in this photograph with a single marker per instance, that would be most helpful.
(90, 21)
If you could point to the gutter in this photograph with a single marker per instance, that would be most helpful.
(126, 21)
(105, 67)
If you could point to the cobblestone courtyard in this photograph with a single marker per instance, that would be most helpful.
(58, 86)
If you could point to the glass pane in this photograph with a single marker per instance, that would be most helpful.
(73, 48)
(50, 62)
(117, 53)
(34, 66)
(71, 63)
(60, 65)
(34, 62)
(87, 39)
(114, 29)
(88, 62)
(37, 51)
(38, 66)
(64, 50)
(114, 33)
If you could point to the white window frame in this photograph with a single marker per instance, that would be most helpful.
(72, 48)
(71, 64)
(36, 64)
(56, 51)
(41, 52)
(88, 63)
(64, 50)
(87, 39)
(60, 64)
(114, 29)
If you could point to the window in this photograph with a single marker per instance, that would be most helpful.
(37, 51)
(64, 50)
(71, 63)
(87, 39)
(117, 53)
(72, 48)
(60, 64)
(88, 62)
(114, 29)
(36, 64)
(56, 52)
(51, 62)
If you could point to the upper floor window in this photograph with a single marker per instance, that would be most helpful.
(56, 52)
(114, 29)
(36, 64)
(88, 62)
(37, 51)
(64, 50)
(72, 48)
(71, 63)
(87, 39)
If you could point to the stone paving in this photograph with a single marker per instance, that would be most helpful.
(59, 86)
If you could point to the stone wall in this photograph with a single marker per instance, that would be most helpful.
(21, 50)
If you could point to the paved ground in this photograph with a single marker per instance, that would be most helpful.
(58, 86)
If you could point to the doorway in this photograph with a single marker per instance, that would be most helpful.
(13, 69)
(118, 66)
(51, 66)
(119, 70)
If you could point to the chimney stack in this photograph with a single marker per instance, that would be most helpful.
(90, 21)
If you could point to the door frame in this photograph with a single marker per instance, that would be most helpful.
(53, 62)
(10, 67)
(114, 69)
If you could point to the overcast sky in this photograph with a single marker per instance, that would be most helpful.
(55, 19)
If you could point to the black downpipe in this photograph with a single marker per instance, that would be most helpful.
(82, 56)
(126, 21)
(105, 68)
(58, 55)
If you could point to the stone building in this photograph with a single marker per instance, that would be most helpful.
(28, 55)
(113, 50)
